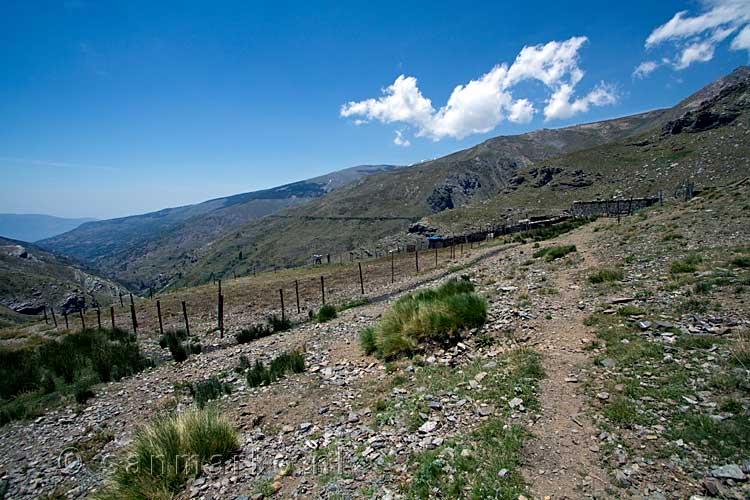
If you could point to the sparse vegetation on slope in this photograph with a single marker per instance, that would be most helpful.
(36, 374)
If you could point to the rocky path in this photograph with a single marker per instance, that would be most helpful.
(561, 458)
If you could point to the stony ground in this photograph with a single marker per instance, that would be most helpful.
(634, 387)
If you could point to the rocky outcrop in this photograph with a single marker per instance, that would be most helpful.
(444, 197)
(698, 121)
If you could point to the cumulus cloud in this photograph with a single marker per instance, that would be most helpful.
(561, 105)
(481, 104)
(645, 68)
(694, 38)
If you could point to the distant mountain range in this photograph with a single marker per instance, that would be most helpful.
(34, 227)
(142, 251)
(703, 139)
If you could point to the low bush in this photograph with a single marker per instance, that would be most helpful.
(437, 314)
(687, 265)
(209, 389)
(278, 324)
(554, 253)
(179, 346)
(367, 340)
(287, 362)
(166, 454)
(255, 332)
(607, 275)
(326, 313)
(741, 262)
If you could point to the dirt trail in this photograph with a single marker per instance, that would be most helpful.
(561, 458)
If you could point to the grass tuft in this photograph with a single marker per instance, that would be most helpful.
(554, 253)
(606, 275)
(166, 454)
(436, 314)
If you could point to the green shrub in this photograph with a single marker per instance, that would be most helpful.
(209, 389)
(255, 332)
(367, 340)
(702, 287)
(69, 365)
(169, 452)
(326, 313)
(688, 265)
(179, 346)
(286, 362)
(279, 325)
(741, 262)
(82, 389)
(606, 275)
(554, 253)
(436, 314)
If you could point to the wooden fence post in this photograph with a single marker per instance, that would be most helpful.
(83, 321)
(221, 316)
(46, 321)
(221, 312)
(133, 318)
(184, 315)
(283, 312)
(323, 290)
(54, 318)
(393, 272)
(121, 304)
(112, 316)
(158, 313)
(436, 256)
(99, 318)
(296, 290)
(416, 257)
(361, 279)
(65, 315)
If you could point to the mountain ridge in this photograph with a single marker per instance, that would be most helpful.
(34, 227)
(433, 189)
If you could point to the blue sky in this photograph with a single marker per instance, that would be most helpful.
(114, 108)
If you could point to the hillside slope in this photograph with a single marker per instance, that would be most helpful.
(31, 278)
(505, 178)
(139, 250)
(704, 140)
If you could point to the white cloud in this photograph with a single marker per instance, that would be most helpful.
(644, 69)
(521, 111)
(399, 140)
(695, 38)
(560, 106)
(696, 52)
(481, 104)
(402, 102)
(742, 40)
